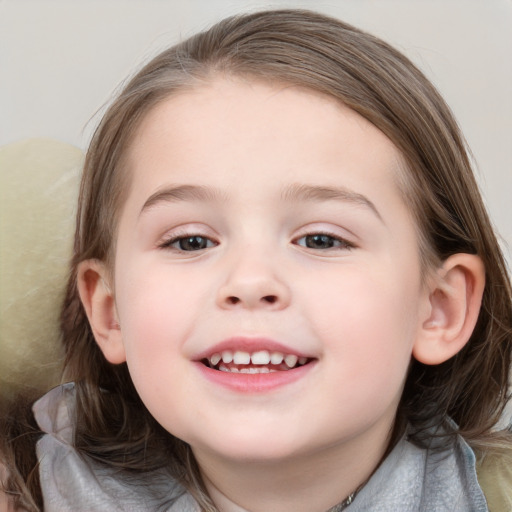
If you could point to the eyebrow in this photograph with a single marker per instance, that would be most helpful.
(300, 192)
(292, 193)
(180, 193)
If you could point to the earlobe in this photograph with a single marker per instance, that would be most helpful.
(455, 298)
(98, 301)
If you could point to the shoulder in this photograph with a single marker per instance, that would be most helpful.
(18, 436)
(494, 472)
(74, 481)
(7, 501)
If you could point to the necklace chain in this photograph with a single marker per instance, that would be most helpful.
(344, 504)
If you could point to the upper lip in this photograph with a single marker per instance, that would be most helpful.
(249, 344)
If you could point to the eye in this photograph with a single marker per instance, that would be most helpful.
(189, 243)
(323, 241)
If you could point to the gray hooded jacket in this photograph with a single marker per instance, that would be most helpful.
(410, 479)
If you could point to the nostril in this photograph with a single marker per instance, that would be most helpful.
(233, 300)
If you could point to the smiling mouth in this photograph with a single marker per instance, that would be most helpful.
(261, 361)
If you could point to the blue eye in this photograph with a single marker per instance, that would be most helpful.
(189, 243)
(323, 241)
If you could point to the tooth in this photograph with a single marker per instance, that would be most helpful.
(291, 360)
(303, 360)
(261, 357)
(223, 368)
(245, 370)
(227, 356)
(240, 357)
(214, 359)
(234, 370)
(255, 369)
(276, 358)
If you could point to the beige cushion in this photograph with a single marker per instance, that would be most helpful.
(38, 188)
(495, 477)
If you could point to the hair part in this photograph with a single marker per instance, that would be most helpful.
(367, 75)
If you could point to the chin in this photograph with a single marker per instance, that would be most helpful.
(256, 449)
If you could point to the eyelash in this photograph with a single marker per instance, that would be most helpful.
(208, 243)
(329, 237)
(178, 239)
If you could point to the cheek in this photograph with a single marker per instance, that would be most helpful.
(155, 318)
(151, 298)
(157, 311)
(368, 323)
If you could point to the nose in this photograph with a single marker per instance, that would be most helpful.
(252, 283)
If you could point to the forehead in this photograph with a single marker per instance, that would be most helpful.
(236, 135)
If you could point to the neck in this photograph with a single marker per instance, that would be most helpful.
(301, 483)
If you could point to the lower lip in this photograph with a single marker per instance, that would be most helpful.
(254, 382)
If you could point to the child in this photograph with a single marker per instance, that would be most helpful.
(285, 294)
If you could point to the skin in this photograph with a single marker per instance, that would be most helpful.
(359, 309)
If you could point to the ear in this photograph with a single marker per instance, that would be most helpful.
(454, 304)
(98, 300)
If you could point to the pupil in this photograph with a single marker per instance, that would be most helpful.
(319, 241)
(193, 243)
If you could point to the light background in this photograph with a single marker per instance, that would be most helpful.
(60, 61)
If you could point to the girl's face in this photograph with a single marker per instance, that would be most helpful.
(264, 225)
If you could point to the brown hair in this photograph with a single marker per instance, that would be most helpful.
(366, 74)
